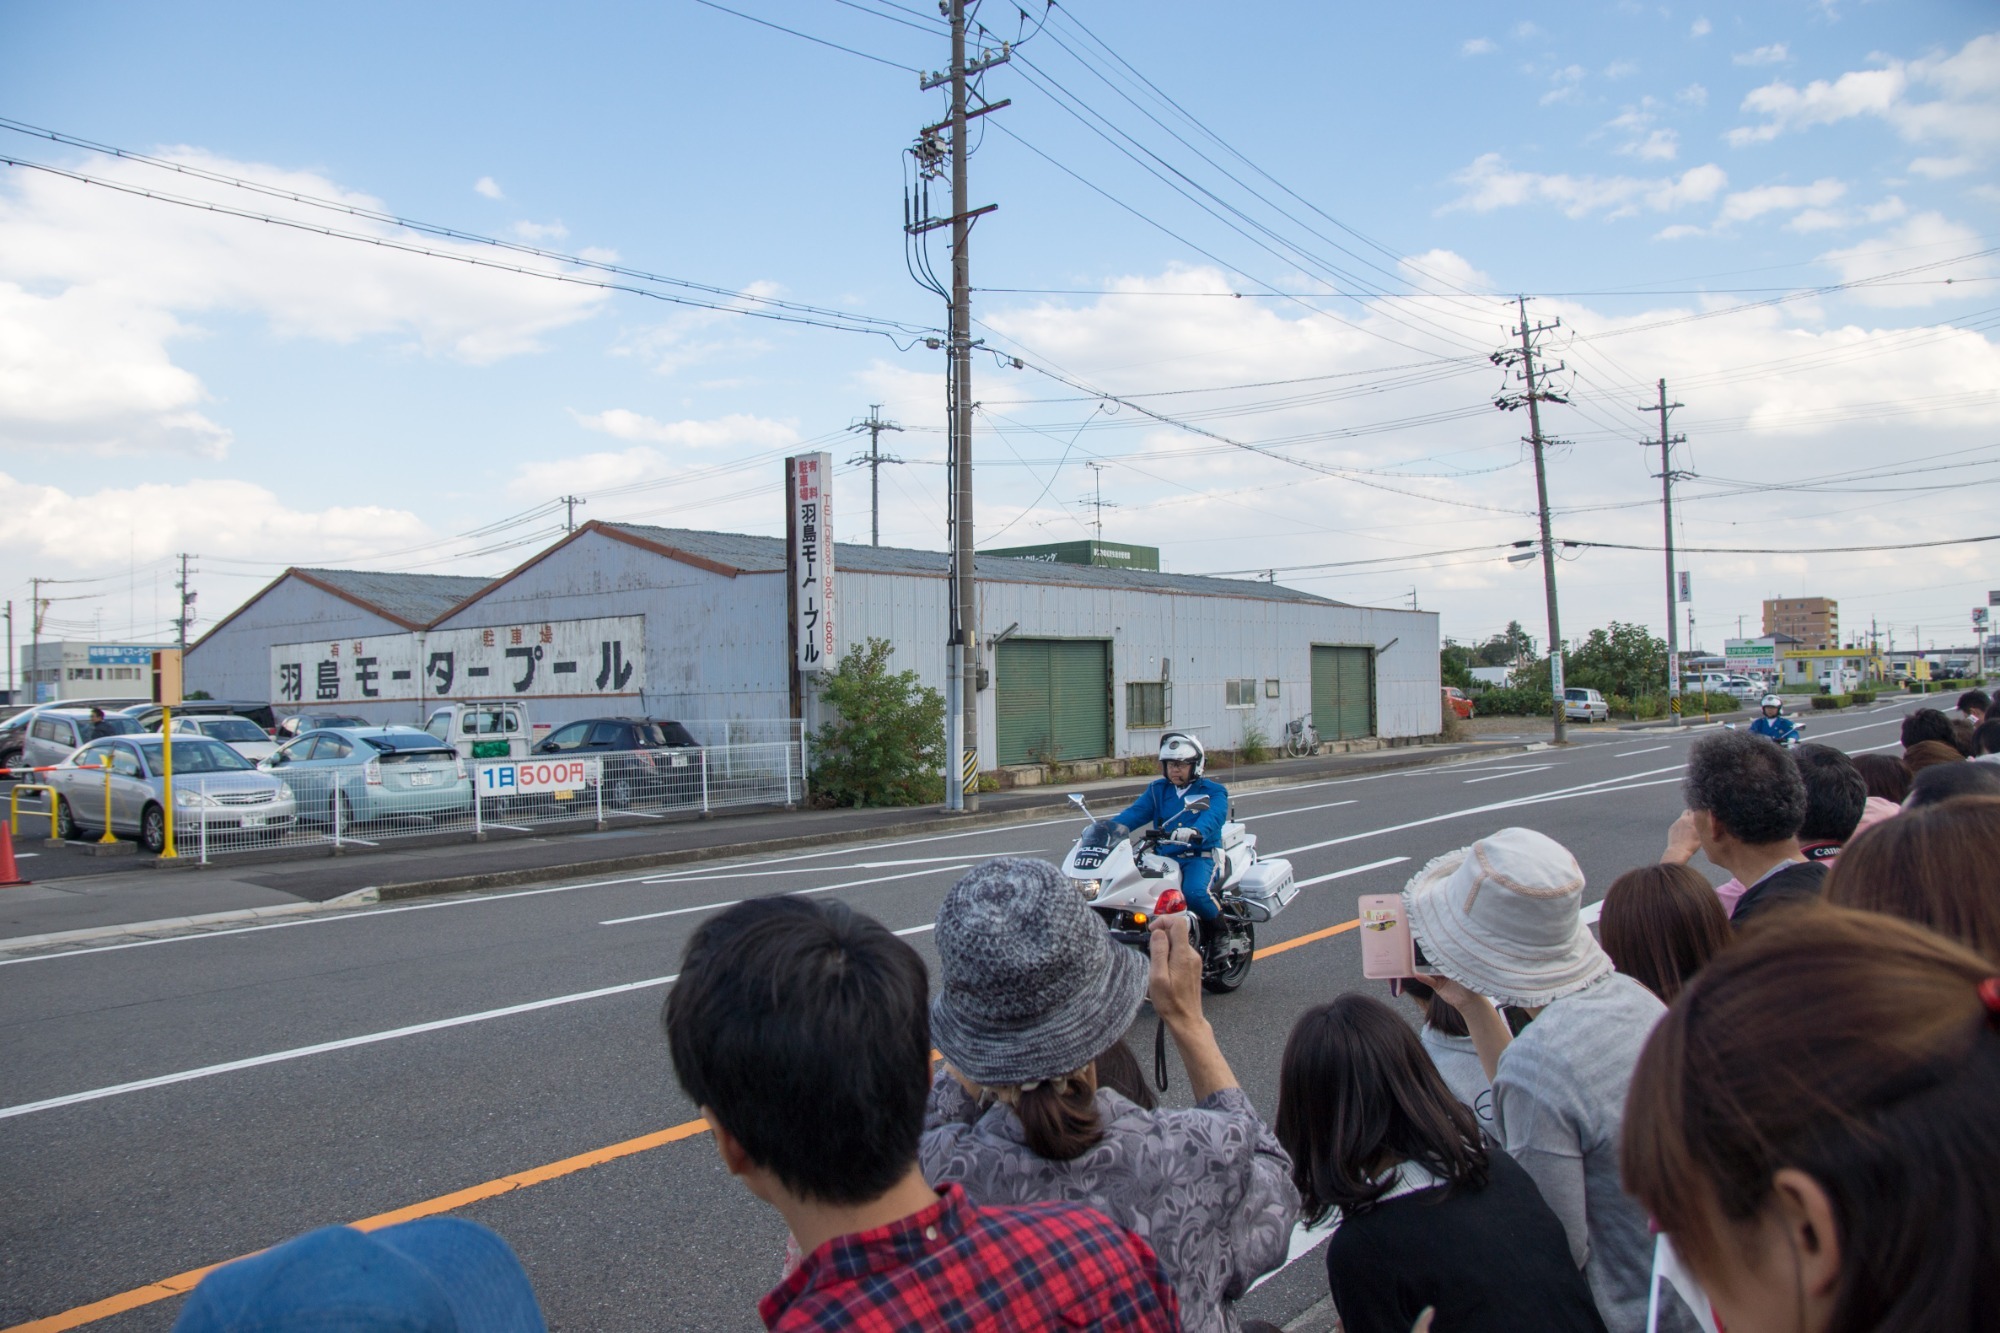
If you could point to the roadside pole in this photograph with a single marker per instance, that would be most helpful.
(167, 852)
(1667, 478)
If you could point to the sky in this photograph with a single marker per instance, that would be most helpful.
(1252, 261)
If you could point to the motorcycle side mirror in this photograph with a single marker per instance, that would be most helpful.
(1198, 804)
(1076, 799)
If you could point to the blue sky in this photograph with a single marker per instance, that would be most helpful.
(177, 380)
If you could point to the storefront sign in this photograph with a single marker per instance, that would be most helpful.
(115, 654)
(529, 777)
(811, 506)
(550, 659)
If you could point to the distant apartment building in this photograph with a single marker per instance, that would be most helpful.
(52, 671)
(1813, 621)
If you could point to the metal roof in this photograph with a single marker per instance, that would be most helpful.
(751, 554)
(417, 599)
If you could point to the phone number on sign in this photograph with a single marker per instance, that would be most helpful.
(536, 775)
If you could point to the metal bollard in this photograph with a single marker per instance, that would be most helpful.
(336, 817)
(203, 788)
(704, 782)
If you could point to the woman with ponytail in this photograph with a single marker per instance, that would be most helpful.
(1030, 1011)
(1814, 1125)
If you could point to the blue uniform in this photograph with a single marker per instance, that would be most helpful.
(1158, 805)
(1779, 729)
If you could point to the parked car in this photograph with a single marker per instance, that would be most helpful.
(213, 786)
(1457, 702)
(54, 735)
(300, 723)
(147, 715)
(484, 730)
(647, 760)
(238, 733)
(373, 773)
(1585, 706)
(14, 731)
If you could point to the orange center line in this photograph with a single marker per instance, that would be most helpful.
(182, 1283)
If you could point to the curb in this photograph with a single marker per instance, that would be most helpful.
(1390, 761)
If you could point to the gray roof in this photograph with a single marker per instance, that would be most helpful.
(767, 555)
(416, 599)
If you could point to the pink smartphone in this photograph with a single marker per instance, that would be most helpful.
(1388, 953)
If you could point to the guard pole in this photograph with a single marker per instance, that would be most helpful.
(109, 836)
(167, 852)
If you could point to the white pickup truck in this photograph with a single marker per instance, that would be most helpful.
(484, 730)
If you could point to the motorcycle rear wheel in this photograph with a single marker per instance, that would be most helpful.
(1224, 980)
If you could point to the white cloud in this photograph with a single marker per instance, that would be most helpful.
(539, 231)
(1620, 69)
(1525, 29)
(1489, 184)
(97, 289)
(1693, 95)
(1477, 46)
(1568, 83)
(1744, 205)
(489, 187)
(1774, 54)
(1966, 113)
(736, 428)
(1701, 27)
(1925, 239)
(1679, 231)
(595, 472)
(1642, 138)
(1941, 168)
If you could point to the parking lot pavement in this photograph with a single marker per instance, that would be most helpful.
(75, 890)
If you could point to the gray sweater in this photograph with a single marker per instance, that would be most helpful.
(1208, 1187)
(1560, 1100)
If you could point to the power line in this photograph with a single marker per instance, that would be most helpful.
(806, 36)
(1794, 550)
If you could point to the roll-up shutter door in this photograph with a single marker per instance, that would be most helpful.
(1052, 699)
(1343, 692)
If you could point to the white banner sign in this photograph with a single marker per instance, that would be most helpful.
(1687, 586)
(550, 659)
(811, 507)
(527, 777)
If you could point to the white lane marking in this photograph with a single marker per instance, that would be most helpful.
(1305, 1240)
(1591, 911)
(471, 900)
(915, 930)
(1651, 749)
(1499, 773)
(1352, 870)
(696, 878)
(325, 1047)
(1870, 749)
(799, 893)
(511, 828)
(1296, 810)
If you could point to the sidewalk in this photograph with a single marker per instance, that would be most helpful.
(147, 896)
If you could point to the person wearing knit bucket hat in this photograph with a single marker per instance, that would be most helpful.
(1501, 921)
(1031, 992)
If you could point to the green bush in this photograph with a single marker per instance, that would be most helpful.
(1256, 746)
(1862, 696)
(1512, 702)
(885, 742)
(1827, 702)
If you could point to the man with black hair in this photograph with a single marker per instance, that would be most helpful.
(1745, 805)
(802, 1030)
(1986, 741)
(1836, 796)
(1975, 706)
(1926, 724)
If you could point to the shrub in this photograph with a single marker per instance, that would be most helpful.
(1827, 702)
(1256, 746)
(885, 743)
(1862, 696)
(1515, 702)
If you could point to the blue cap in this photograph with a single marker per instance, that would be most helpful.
(437, 1275)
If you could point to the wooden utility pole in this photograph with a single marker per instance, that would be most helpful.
(1532, 396)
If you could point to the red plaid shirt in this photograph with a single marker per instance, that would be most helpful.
(956, 1266)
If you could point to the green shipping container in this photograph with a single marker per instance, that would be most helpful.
(1343, 692)
(1052, 699)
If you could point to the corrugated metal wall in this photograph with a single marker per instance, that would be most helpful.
(234, 662)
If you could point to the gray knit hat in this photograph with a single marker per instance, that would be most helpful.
(1030, 985)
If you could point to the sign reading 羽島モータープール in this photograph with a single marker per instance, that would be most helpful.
(546, 659)
(811, 506)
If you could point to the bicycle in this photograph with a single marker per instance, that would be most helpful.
(1301, 737)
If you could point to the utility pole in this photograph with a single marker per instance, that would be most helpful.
(188, 595)
(569, 504)
(874, 425)
(961, 789)
(1096, 501)
(36, 606)
(1532, 396)
(11, 687)
(1667, 479)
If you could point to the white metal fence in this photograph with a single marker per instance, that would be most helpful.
(416, 795)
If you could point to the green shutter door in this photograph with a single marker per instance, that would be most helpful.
(1343, 693)
(1052, 699)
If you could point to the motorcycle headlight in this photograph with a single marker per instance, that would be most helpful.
(1089, 888)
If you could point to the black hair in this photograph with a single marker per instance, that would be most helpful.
(1836, 793)
(1357, 1088)
(1986, 737)
(1941, 782)
(1926, 724)
(1438, 1011)
(1748, 784)
(803, 1028)
(1974, 701)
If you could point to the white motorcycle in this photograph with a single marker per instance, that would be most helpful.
(1128, 883)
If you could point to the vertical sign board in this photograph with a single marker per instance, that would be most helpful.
(811, 544)
(1687, 586)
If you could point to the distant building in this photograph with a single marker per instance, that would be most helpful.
(1813, 621)
(52, 672)
(1105, 555)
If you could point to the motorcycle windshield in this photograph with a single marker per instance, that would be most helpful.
(1102, 835)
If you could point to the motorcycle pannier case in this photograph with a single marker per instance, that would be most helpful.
(1270, 885)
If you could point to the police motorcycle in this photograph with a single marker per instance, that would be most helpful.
(1774, 725)
(1128, 883)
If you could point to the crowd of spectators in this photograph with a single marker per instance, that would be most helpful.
(1766, 1106)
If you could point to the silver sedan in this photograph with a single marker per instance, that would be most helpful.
(213, 786)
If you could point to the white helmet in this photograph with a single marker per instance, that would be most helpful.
(1773, 701)
(1182, 748)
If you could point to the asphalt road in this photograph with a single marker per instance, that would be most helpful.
(173, 1103)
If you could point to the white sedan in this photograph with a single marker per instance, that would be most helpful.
(238, 733)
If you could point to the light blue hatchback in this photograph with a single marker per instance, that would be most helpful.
(368, 774)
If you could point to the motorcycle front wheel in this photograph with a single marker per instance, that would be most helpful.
(1225, 979)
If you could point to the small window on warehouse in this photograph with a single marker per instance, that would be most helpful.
(1146, 703)
(1270, 689)
(1240, 693)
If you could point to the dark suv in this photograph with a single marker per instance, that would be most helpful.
(647, 760)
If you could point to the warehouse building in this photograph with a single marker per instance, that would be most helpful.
(1077, 661)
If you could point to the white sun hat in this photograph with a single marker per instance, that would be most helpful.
(1503, 918)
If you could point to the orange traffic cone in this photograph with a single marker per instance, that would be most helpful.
(10, 874)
